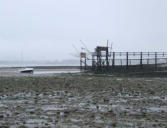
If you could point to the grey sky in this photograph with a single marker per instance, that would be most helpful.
(46, 29)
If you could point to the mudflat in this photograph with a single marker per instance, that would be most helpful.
(38, 71)
(83, 100)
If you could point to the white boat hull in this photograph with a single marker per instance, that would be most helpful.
(27, 70)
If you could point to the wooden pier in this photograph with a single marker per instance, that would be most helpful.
(103, 60)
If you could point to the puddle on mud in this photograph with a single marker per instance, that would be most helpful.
(54, 72)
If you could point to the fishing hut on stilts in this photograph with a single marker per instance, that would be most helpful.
(103, 60)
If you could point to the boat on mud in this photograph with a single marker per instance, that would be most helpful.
(26, 70)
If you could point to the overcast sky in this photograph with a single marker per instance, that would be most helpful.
(46, 29)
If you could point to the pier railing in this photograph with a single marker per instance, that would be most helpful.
(125, 59)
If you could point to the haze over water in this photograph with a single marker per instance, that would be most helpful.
(46, 29)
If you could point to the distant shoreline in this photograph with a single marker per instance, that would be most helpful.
(45, 67)
(38, 70)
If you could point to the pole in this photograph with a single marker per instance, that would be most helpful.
(141, 60)
(113, 61)
(127, 60)
(107, 56)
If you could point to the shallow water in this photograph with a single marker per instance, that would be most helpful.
(54, 72)
(37, 72)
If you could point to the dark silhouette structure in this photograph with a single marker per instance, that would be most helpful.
(103, 60)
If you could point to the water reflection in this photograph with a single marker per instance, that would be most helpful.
(55, 72)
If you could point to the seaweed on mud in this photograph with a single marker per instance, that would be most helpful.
(89, 101)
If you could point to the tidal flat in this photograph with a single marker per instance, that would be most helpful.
(83, 101)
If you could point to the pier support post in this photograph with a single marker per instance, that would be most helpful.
(127, 60)
(141, 59)
(113, 60)
(107, 61)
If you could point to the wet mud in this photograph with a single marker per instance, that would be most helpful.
(81, 101)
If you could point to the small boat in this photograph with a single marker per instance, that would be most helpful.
(27, 70)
